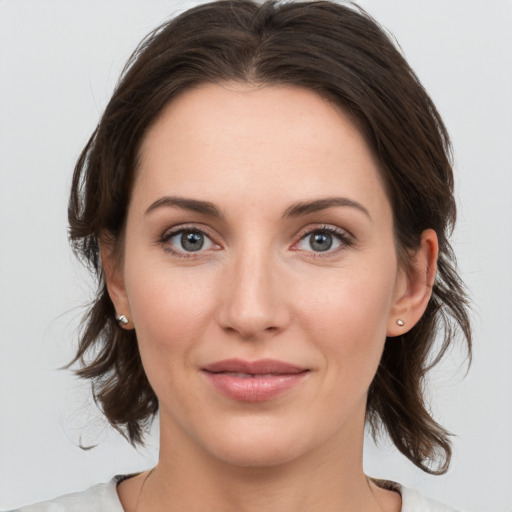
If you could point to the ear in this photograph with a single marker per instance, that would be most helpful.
(414, 286)
(114, 279)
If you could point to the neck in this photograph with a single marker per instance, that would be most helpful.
(328, 479)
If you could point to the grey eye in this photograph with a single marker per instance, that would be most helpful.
(190, 241)
(320, 241)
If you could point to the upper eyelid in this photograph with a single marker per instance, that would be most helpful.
(300, 234)
(176, 230)
(166, 237)
(172, 231)
(324, 227)
(345, 238)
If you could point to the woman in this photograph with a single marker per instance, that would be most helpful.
(266, 202)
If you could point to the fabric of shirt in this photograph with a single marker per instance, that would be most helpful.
(104, 498)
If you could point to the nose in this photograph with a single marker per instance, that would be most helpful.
(253, 298)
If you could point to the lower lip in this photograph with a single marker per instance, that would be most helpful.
(254, 389)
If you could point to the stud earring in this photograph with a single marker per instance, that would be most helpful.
(400, 322)
(121, 320)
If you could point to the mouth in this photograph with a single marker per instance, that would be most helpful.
(253, 381)
(254, 368)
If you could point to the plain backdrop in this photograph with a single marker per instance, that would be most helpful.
(59, 61)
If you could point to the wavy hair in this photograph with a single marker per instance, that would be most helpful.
(341, 53)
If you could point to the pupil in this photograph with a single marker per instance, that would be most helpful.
(192, 241)
(321, 241)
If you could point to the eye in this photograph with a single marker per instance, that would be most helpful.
(187, 241)
(325, 240)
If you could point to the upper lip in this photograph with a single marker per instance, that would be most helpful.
(261, 366)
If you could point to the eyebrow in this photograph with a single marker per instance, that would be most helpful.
(295, 210)
(303, 208)
(193, 205)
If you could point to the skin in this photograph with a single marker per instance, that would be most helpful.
(259, 289)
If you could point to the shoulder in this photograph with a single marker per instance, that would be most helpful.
(412, 500)
(99, 498)
(104, 498)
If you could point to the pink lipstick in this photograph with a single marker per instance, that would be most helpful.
(253, 381)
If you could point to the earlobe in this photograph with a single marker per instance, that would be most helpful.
(414, 288)
(114, 280)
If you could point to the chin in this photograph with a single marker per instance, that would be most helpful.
(263, 443)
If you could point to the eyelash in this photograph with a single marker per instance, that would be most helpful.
(346, 240)
(168, 235)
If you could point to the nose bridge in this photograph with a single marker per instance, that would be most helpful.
(252, 300)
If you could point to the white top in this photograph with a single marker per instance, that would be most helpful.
(104, 498)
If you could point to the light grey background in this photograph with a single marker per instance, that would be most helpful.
(58, 63)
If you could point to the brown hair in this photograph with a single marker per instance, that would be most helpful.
(342, 54)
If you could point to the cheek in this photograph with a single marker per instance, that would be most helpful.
(170, 308)
(347, 317)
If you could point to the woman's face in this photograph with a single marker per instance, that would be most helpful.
(259, 272)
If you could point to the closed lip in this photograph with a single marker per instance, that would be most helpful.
(253, 381)
(259, 367)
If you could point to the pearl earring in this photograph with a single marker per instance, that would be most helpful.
(121, 320)
(400, 322)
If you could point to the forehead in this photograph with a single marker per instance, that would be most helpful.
(280, 141)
